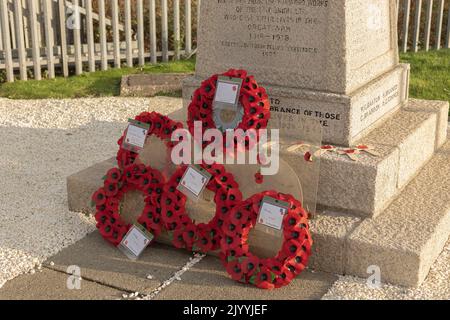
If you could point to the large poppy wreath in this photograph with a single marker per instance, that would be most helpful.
(271, 273)
(117, 183)
(160, 126)
(202, 237)
(252, 98)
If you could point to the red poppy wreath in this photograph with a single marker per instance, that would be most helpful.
(117, 183)
(160, 126)
(270, 273)
(253, 99)
(202, 237)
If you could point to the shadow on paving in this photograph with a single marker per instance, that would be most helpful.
(208, 280)
(103, 263)
(107, 273)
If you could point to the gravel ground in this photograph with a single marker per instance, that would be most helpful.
(45, 141)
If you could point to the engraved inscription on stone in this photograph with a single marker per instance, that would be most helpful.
(270, 35)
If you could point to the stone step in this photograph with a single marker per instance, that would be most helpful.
(403, 241)
(405, 142)
(408, 236)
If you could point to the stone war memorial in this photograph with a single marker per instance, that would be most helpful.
(382, 188)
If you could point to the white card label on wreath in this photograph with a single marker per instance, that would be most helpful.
(227, 93)
(135, 241)
(272, 212)
(194, 181)
(136, 135)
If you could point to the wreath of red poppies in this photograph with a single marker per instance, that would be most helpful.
(252, 97)
(160, 126)
(165, 205)
(271, 273)
(117, 183)
(202, 237)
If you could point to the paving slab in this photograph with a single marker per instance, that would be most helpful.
(101, 262)
(52, 285)
(209, 281)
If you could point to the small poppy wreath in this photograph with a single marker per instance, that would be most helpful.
(252, 97)
(185, 233)
(117, 183)
(270, 273)
(160, 126)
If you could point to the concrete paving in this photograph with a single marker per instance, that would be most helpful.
(108, 274)
(209, 281)
(101, 262)
(52, 285)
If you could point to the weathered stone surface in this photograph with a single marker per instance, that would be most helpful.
(345, 117)
(413, 134)
(209, 281)
(148, 85)
(445, 149)
(103, 263)
(407, 237)
(405, 143)
(440, 108)
(52, 285)
(81, 185)
(291, 45)
(330, 232)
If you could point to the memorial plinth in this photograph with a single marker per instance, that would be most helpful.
(335, 61)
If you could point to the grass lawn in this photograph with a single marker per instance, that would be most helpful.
(96, 84)
(430, 79)
(430, 74)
